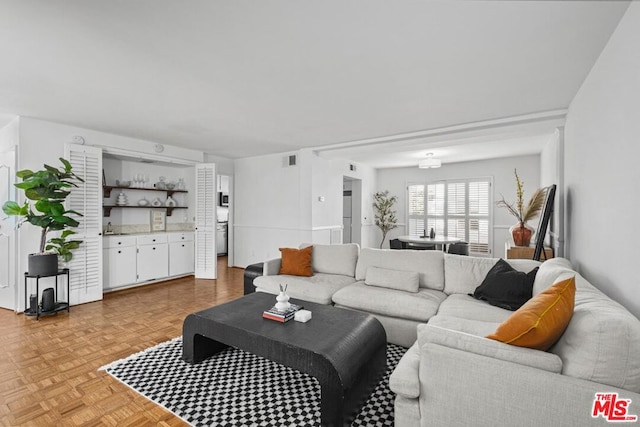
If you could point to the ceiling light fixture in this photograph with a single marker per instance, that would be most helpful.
(430, 162)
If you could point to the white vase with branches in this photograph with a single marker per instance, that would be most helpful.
(385, 216)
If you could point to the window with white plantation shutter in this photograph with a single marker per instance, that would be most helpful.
(415, 209)
(478, 213)
(456, 208)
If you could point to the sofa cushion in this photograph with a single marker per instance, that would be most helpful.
(296, 262)
(541, 321)
(430, 334)
(473, 327)
(419, 306)
(550, 272)
(407, 281)
(601, 342)
(428, 264)
(463, 274)
(318, 288)
(466, 307)
(335, 259)
(505, 286)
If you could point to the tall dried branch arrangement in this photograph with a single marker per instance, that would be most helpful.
(518, 209)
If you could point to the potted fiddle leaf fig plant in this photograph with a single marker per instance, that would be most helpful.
(46, 191)
(385, 216)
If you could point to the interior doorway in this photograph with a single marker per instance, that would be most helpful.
(351, 210)
(224, 218)
(8, 276)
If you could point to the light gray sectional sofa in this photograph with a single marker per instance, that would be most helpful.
(451, 374)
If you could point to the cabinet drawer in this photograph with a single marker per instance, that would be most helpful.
(180, 237)
(118, 241)
(152, 239)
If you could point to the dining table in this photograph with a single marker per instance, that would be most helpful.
(439, 240)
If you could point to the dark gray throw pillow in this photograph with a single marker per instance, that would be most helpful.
(505, 286)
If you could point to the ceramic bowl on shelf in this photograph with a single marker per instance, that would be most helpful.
(143, 202)
(123, 183)
(170, 185)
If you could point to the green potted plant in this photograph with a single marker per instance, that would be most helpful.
(385, 216)
(522, 232)
(46, 191)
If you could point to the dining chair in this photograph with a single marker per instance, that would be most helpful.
(459, 248)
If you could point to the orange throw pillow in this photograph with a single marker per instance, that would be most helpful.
(540, 322)
(296, 262)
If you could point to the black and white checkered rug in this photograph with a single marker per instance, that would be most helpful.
(236, 388)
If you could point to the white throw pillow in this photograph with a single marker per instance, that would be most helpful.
(401, 280)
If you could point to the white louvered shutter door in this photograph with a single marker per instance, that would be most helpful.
(205, 233)
(85, 268)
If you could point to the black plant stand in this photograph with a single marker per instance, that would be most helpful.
(59, 305)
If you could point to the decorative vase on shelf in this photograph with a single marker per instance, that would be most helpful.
(160, 185)
(283, 299)
(170, 203)
(521, 233)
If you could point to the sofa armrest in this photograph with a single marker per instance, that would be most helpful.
(272, 267)
(457, 386)
(404, 380)
(490, 348)
(251, 272)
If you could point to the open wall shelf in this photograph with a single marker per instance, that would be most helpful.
(107, 190)
(106, 209)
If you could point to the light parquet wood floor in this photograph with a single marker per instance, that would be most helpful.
(48, 368)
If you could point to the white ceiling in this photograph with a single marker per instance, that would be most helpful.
(241, 78)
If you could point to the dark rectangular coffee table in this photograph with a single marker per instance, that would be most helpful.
(344, 350)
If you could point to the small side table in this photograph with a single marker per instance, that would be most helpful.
(59, 305)
(525, 252)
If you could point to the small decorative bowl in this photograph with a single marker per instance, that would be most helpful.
(170, 185)
(123, 183)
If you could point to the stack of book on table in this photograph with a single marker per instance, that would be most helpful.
(281, 316)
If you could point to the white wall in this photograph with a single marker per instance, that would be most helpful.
(224, 166)
(396, 180)
(267, 208)
(602, 148)
(9, 135)
(277, 206)
(552, 172)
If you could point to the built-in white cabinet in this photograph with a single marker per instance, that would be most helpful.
(129, 260)
(223, 184)
(119, 261)
(180, 253)
(153, 257)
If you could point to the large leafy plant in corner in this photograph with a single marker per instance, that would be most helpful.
(385, 216)
(46, 191)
